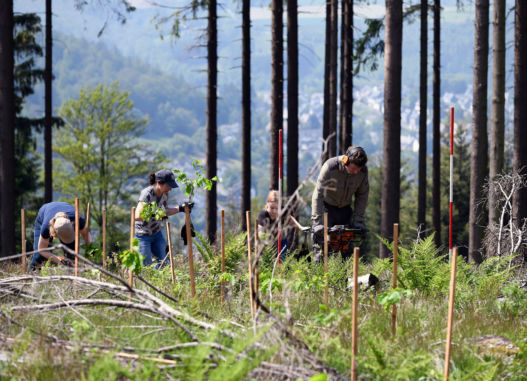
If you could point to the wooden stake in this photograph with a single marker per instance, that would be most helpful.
(394, 281)
(248, 222)
(171, 256)
(222, 255)
(354, 314)
(23, 231)
(104, 239)
(132, 234)
(77, 241)
(450, 313)
(189, 251)
(256, 242)
(326, 293)
(88, 208)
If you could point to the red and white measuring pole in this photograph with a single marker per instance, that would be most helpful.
(280, 177)
(451, 181)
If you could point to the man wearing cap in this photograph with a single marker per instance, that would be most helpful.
(56, 220)
(341, 179)
(149, 233)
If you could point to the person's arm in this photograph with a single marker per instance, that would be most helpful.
(317, 200)
(361, 199)
(43, 243)
(86, 235)
(138, 210)
(171, 211)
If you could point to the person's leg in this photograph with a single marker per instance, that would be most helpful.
(159, 247)
(36, 259)
(145, 248)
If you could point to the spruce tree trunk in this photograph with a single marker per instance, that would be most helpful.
(246, 111)
(391, 163)
(277, 86)
(346, 77)
(421, 202)
(497, 135)
(48, 111)
(212, 133)
(333, 46)
(520, 110)
(478, 158)
(292, 97)
(436, 147)
(327, 73)
(7, 131)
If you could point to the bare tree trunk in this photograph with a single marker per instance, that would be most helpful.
(246, 111)
(327, 73)
(436, 160)
(292, 97)
(48, 111)
(212, 133)
(391, 163)
(520, 110)
(478, 159)
(333, 50)
(498, 99)
(277, 86)
(7, 131)
(346, 77)
(421, 202)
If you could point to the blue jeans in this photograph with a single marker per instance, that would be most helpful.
(37, 258)
(152, 245)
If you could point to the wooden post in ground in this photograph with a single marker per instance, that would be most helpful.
(88, 209)
(354, 314)
(77, 239)
(394, 280)
(171, 256)
(222, 255)
(256, 239)
(249, 260)
(23, 231)
(189, 251)
(326, 297)
(450, 312)
(104, 238)
(132, 234)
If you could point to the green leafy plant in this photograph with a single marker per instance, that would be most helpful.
(152, 210)
(200, 181)
(132, 259)
(391, 297)
(93, 252)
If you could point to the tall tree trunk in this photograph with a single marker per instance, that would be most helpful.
(346, 77)
(423, 104)
(333, 53)
(7, 131)
(391, 163)
(277, 85)
(327, 73)
(48, 123)
(246, 111)
(497, 136)
(292, 96)
(478, 157)
(212, 133)
(436, 144)
(520, 109)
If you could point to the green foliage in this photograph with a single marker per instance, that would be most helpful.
(514, 299)
(99, 159)
(392, 297)
(93, 252)
(151, 209)
(132, 259)
(198, 182)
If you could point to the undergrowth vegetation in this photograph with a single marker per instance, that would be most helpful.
(110, 342)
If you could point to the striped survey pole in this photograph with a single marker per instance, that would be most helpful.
(451, 203)
(280, 177)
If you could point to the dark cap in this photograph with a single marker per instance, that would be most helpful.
(167, 176)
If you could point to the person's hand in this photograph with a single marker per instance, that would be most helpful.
(361, 226)
(181, 207)
(65, 262)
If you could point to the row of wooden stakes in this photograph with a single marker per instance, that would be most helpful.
(253, 270)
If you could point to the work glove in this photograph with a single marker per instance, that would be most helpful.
(181, 207)
(184, 233)
(361, 226)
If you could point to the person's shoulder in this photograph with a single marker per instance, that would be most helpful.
(262, 214)
(332, 164)
(146, 194)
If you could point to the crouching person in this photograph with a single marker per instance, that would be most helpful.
(56, 220)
